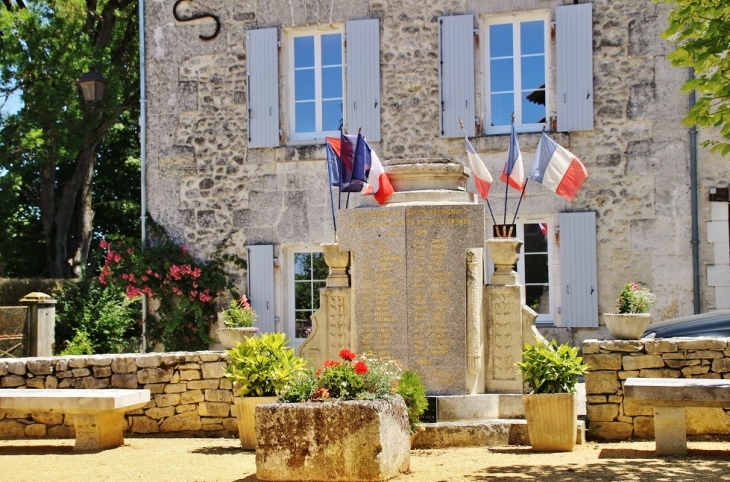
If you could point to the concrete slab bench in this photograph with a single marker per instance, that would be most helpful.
(98, 415)
(669, 397)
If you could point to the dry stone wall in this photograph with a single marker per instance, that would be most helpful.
(610, 417)
(189, 395)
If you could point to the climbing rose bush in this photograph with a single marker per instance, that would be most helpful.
(185, 288)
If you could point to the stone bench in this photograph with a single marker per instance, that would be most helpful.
(98, 415)
(669, 397)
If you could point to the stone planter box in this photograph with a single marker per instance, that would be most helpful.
(355, 440)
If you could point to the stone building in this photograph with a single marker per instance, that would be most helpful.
(241, 93)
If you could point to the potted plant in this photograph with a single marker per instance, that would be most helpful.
(238, 322)
(259, 368)
(349, 418)
(551, 409)
(633, 312)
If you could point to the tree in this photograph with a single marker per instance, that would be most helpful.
(52, 149)
(701, 30)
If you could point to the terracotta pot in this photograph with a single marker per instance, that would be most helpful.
(230, 336)
(552, 421)
(245, 409)
(627, 326)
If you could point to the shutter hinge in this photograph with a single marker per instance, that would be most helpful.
(476, 32)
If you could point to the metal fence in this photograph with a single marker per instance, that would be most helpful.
(13, 336)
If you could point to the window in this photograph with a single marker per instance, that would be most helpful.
(516, 73)
(316, 85)
(308, 274)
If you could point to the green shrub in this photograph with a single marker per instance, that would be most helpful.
(80, 345)
(414, 394)
(549, 368)
(262, 365)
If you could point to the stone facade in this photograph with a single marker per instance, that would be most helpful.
(190, 397)
(205, 183)
(609, 417)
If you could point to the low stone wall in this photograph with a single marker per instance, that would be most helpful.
(190, 397)
(609, 417)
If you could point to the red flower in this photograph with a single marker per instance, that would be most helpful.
(318, 372)
(346, 354)
(331, 363)
(361, 368)
(320, 394)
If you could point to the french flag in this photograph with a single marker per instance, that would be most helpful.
(346, 170)
(557, 169)
(482, 178)
(514, 172)
(377, 178)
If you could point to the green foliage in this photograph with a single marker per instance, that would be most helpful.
(549, 368)
(262, 365)
(633, 299)
(91, 318)
(239, 314)
(341, 381)
(414, 394)
(301, 386)
(699, 28)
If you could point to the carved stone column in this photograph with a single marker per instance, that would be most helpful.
(474, 321)
(331, 324)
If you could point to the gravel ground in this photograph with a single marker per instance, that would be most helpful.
(211, 460)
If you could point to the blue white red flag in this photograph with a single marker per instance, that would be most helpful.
(346, 173)
(514, 172)
(557, 169)
(482, 178)
(377, 178)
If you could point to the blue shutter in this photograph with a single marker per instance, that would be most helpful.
(578, 271)
(263, 88)
(574, 61)
(456, 72)
(261, 285)
(363, 77)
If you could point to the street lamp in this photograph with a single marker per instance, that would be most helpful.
(92, 86)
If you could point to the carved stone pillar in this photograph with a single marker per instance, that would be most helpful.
(331, 324)
(475, 329)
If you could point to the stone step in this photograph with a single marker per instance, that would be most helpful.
(478, 433)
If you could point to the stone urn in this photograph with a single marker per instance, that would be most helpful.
(337, 261)
(229, 336)
(627, 326)
(504, 253)
(245, 410)
(355, 440)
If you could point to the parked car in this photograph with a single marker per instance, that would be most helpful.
(715, 323)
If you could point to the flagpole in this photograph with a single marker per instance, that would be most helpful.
(506, 187)
(332, 200)
(489, 206)
(352, 177)
(341, 176)
(524, 186)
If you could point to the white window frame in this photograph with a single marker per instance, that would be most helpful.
(515, 21)
(318, 135)
(542, 318)
(289, 326)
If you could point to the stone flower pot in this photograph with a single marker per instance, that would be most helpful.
(504, 253)
(627, 326)
(355, 440)
(230, 336)
(245, 409)
(552, 421)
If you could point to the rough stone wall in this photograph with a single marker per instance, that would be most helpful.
(610, 417)
(189, 395)
(205, 184)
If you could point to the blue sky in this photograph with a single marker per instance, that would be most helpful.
(12, 105)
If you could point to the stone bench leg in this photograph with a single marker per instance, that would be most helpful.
(669, 431)
(98, 431)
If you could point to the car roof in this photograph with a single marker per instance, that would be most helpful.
(713, 315)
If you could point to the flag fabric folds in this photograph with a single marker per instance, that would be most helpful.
(347, 172)
(557, 169)
(482, 178)
(378, 179)
(514, 172)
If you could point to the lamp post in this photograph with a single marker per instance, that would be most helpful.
(92, 86)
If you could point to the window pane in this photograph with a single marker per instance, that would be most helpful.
(536, 238)
(501, 109)
(303, 52)
(302, 266)
(500, 40)
(304, 84)
(331, 115)
(538, 298)
(302, 295)
(332, 83)
(304, 117)
(321, 270)
(332, 49)
(533, 113)
(315, 293)
(501, 75)
(536, 268)
(303, 324)
(533, 72)
(532, 37)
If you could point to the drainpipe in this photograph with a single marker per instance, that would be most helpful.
(143, 157)
(695, 203)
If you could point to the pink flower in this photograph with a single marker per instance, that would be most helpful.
(184, 249)
(149, 271)
(102, 244)
(361, 368)
(130, 251)
(117, 258)
(132, 291)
